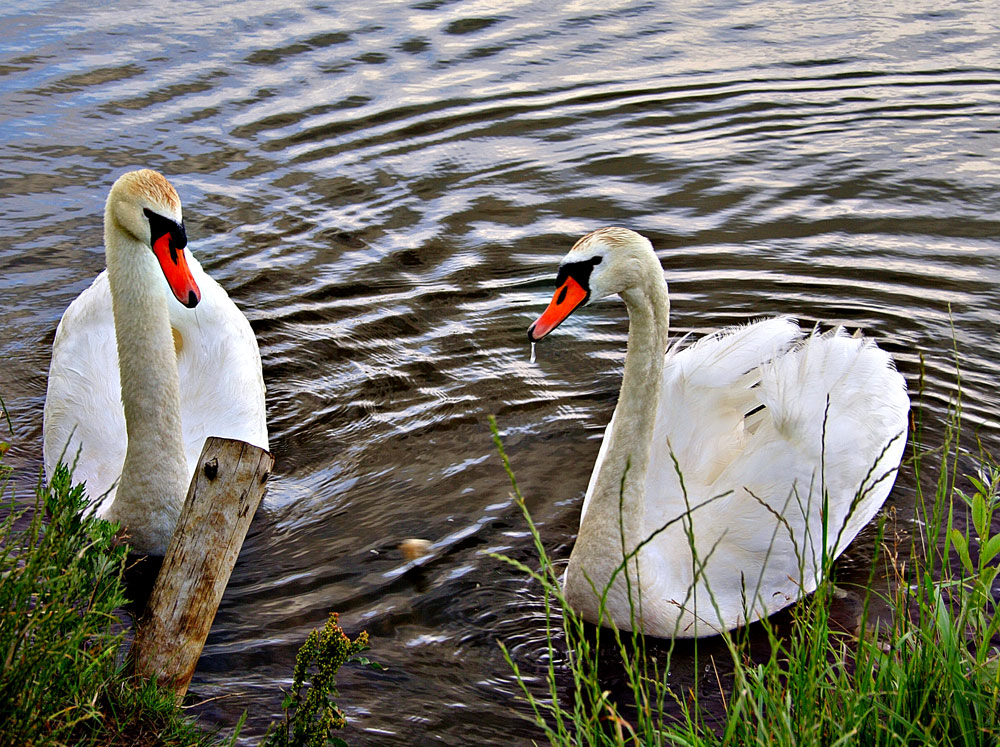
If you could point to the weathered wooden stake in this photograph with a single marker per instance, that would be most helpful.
(225, 491)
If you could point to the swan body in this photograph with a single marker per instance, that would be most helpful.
(147, 362)
(722, 458)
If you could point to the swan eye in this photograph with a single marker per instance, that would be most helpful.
(579, 271)
(160, 227)
(167, 240)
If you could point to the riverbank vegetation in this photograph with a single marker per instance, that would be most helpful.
(922, 671)
(63, 681)
(926, 673)
(64, 678)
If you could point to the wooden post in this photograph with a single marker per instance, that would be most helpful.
(225, 491)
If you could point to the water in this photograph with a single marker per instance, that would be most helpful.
(386, 189)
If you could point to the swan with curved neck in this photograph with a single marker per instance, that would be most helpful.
(732, 469)
(147, 362)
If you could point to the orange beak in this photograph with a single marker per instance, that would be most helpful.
(566, 298)
(175, 268)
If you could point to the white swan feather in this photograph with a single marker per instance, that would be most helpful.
(214, 353)
(766, 449)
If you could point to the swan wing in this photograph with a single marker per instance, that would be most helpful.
(783, 459)
(839, 405)
(818, 468)
(218, 363)
(84, 421)
(705, 396)
(707, 391)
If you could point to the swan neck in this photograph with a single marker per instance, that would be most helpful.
(614, 520)
(154, 476)
(619, 491)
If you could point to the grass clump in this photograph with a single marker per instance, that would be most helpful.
(60, 640)
(926, 674)
(64, 678)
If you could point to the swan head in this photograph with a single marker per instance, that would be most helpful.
(144, 206)
(604, 262)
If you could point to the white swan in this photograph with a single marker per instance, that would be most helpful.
(188, 362)
(766, 427)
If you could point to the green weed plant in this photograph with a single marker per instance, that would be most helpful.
(64, 678)
(311, 713)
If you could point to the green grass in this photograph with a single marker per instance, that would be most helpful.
(928, 675)
(60, 639)
(64, 679)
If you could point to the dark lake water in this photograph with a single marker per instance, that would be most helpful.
(385, 188)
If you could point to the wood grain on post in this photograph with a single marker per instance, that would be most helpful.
(226, 489)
